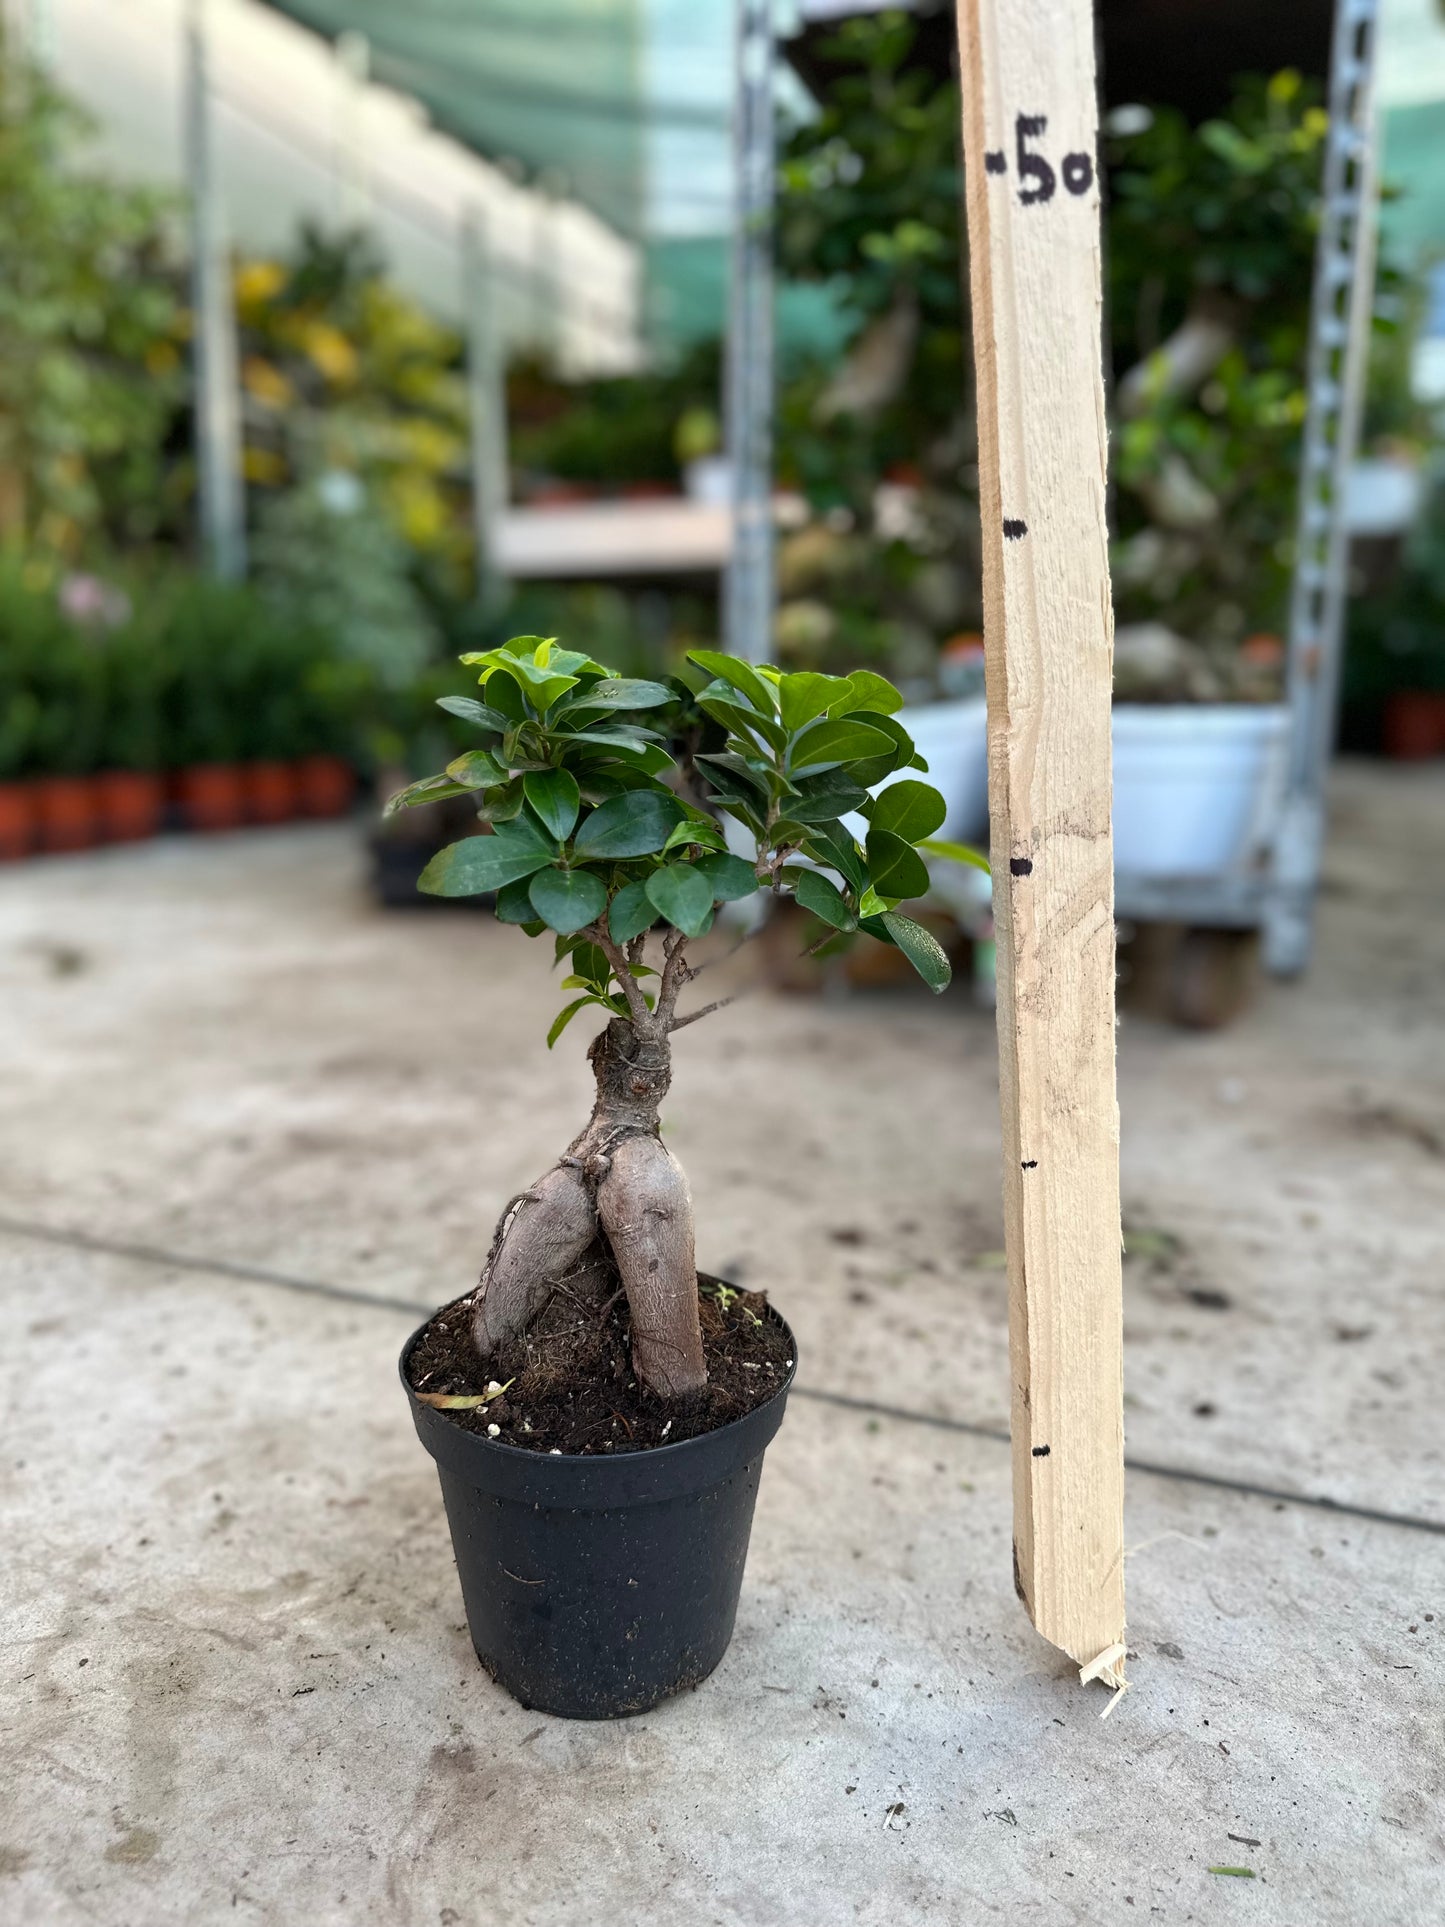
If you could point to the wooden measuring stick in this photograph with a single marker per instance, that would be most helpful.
(1030, 140)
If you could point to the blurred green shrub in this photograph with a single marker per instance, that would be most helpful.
(92, 338)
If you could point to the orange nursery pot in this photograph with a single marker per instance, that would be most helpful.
(271, 795)
(324, 784)
(67, 812)
(17, 820)
(212, 796)
(131, 803)
(1415, 724)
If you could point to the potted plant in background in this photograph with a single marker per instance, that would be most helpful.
(597, 1408)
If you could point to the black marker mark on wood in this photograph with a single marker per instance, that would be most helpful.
(1020, 866)
(994, 161)
(1029, 1164)
(1014, 531)
(1078, 172)
(1041, 1451)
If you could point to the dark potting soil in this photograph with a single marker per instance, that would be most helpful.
(570, 1386)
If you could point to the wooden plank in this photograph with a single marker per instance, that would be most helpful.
(1030, 140)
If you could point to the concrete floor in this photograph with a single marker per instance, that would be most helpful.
(240, 1684)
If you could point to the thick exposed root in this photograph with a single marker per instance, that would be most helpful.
(646, 1211)
(543, 1235)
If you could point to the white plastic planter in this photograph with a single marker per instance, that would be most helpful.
(1195, 785)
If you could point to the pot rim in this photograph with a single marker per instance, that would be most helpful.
(653, 1454)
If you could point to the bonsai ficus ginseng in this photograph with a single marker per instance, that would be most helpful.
(603, 837)
(599, 1576)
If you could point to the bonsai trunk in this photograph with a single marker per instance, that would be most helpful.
(617, 1186)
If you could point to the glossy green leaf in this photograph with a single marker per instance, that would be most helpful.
(721, 702)
(921, 948)
(477, 770)
(803, 696)
(599, 749)
(957, 852)
(503, 804)
(910, 810)
(554, 795)
(868, 691)
(830, 843)
(632, 912)
(731, 877)
(616, 692)
(568, 900)
(733, 770)
(683, 895)
(591, 965)
(568, 1012)
(504, 693)
(484, 715)
(635, 824)
(481, 863)
(431, 789)
(874, 768)
(514, 903)
(816, 893)
(895, 867)
(833, 741)
(701, 832)
(819, 799)
(742, 676)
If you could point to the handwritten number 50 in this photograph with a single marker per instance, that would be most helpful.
(1077, 169)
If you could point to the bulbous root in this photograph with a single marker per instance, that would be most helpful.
(619, 1187)
(544, 1234)
(646, 1211)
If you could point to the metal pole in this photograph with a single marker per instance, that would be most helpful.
(1340, 317)
(748, 379)
(486, 403)
(217, 397)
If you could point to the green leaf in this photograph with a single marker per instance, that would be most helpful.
(481, 863)
(568, 900)
(742, 676)
(485, 715)
(875, 768)
(702, 832)
(895, 867)
(477, 770)
(867, 691)
(682, 895)
(921, 948)
(737, 767)
(806, 695)
(632, 825)
(731, 877)
(721, 703)
(821, 798)
(632, 912)
(514, 904)
(503, 804)
(612, 747)
(910, 810)
(830, 843)
(591, 964)
(617, 692)
(554, 795)
(542, 685)
(569, 1011)
(504, 693)
(814, 891)
(826, 744)
(959, 852)
(431, 789)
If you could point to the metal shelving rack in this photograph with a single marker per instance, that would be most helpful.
(1277, 895)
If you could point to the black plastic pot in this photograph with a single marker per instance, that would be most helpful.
(597, 1586)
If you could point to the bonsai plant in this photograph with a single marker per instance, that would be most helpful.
(595, 833)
